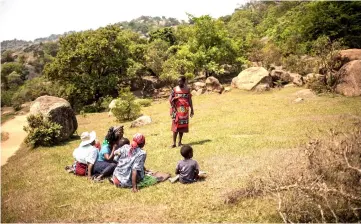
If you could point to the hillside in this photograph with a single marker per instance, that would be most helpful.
(301, 37)
(236, 137)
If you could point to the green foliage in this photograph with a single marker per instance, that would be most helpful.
(155, 56)
(166, 34)
(126, 108)
(6, 56)
(6, 97)
(14, 80)
(34, 88)
(91, 64)
(105, 101)
(144, 102)
(10, 67)
(41, 131)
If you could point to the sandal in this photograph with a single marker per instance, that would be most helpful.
(173, 146)
(180, 144)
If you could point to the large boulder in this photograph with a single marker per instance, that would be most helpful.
(213, 85)
(349, 83)
(249, 78)
(348, 55)
(234, 82)
(141, 121)
(57, 110)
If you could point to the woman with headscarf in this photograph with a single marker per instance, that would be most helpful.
(180, 101)
(105, 166)
(130, 169)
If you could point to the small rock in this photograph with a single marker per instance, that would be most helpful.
(141, 121)
(227, 89)
(299, 99)
(262, 87)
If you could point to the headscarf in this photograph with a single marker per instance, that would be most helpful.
(138, 139)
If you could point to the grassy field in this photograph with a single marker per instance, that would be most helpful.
(234, 136)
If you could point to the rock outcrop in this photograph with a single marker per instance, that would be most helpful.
(249, 78)
(213, 85)
(349, 79)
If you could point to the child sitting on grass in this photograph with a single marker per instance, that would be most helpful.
(188, 169)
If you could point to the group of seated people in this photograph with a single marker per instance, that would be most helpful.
(122, 160)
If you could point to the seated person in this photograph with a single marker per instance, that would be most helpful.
(188, 169)
(86, 154)
(105, 166)
(122, 142)
(130, 168)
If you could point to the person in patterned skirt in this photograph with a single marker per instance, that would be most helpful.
(181, 102)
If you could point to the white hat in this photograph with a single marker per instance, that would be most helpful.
(87, 138)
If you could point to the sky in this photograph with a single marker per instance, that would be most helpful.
(31, 19)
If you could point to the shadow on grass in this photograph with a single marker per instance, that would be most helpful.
(74, 137)
(199, 142)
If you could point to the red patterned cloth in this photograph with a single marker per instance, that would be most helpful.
(80, 169)
(180, 102)
(138, 139)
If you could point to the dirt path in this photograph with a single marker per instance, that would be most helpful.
(16, 136)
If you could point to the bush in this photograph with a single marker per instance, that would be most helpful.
(144, 102)
(41, 131)
(33, 89)
(6, 96)
(126, 108)
(105, 101)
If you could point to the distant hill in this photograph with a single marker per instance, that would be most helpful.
(145, 24)
(142, 25)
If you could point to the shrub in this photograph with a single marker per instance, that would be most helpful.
(126, 107)
(6, 96)
(33, 89)
(105, 101)
(144, 102)
(41, 131)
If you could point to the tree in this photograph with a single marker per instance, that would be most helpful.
(8, 68)
(165, 34)
(212, 46)
(7, 56)
(156, 54)
(91, 64)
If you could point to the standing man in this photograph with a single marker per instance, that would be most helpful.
(180, 101)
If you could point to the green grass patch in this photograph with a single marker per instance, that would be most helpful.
(234, 136)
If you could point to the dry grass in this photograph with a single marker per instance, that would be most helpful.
(234, 136)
